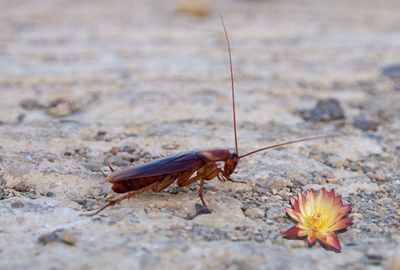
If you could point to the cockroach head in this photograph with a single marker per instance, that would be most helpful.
(231, 163)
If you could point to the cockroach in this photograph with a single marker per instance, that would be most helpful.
(159, 174)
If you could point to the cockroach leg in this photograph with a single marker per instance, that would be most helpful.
(127, 196)
(201, 191)
(111, 168)
(234, 181)
(168, 180)
(185, 181)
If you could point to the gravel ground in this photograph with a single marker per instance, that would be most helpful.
(88, 83)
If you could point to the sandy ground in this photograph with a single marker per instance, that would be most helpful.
(87, 83)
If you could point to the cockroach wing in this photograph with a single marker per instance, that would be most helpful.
(163, 166)
(213, 155)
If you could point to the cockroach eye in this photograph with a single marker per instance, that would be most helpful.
(234, 155)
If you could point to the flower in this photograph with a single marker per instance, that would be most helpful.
(318, 217)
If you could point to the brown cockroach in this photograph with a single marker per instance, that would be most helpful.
(161, 173)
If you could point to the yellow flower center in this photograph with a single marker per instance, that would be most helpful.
(318, 220)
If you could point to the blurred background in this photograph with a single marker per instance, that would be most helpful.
(129, 62)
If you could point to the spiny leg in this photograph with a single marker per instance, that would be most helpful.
(111, 168)
(201, 191)
(168, 180)
(113, 202)
(223, 176)
(186, 179)
(234, 181)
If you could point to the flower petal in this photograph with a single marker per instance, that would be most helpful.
(321, 236)
(320, 197)
(302, 201)
(332, 241)
(297, 231)
(304, 227)
(345, 209)
(329, 239)
(341, 224)
(337, 203)
(294, 231)
(338, 200)
(331, 194)
(311, 201)
(311, 238)
(294, 214)
(294, 203)
(326, 201)
(342, 212)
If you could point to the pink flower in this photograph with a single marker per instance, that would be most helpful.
(318, 217)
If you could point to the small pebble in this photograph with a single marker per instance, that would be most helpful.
(63, 236)
(21, 187)
(259, 238)
(79, 200)
(48, 238)
(333, 180)
(353, 167)
(374, 259)
(17, 204)
(89, 196)
(201, 209)
(255, 213)
(50, 194)
(61, 107)
(269, 221)
(376, 176)
(198, 8)
(384, 201)
(114, 150)
(325, 110)
(20, 220)
(276, 212)
(392, 70)
(298, 243)
(30, 104)
(172, 146)
(38, 191)
(68, 237)
(116, 160)
(33, 196)
(319, 179)
(94, 167)
(100, 135)
(365, 124)
(278, 182)
(128, 157)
